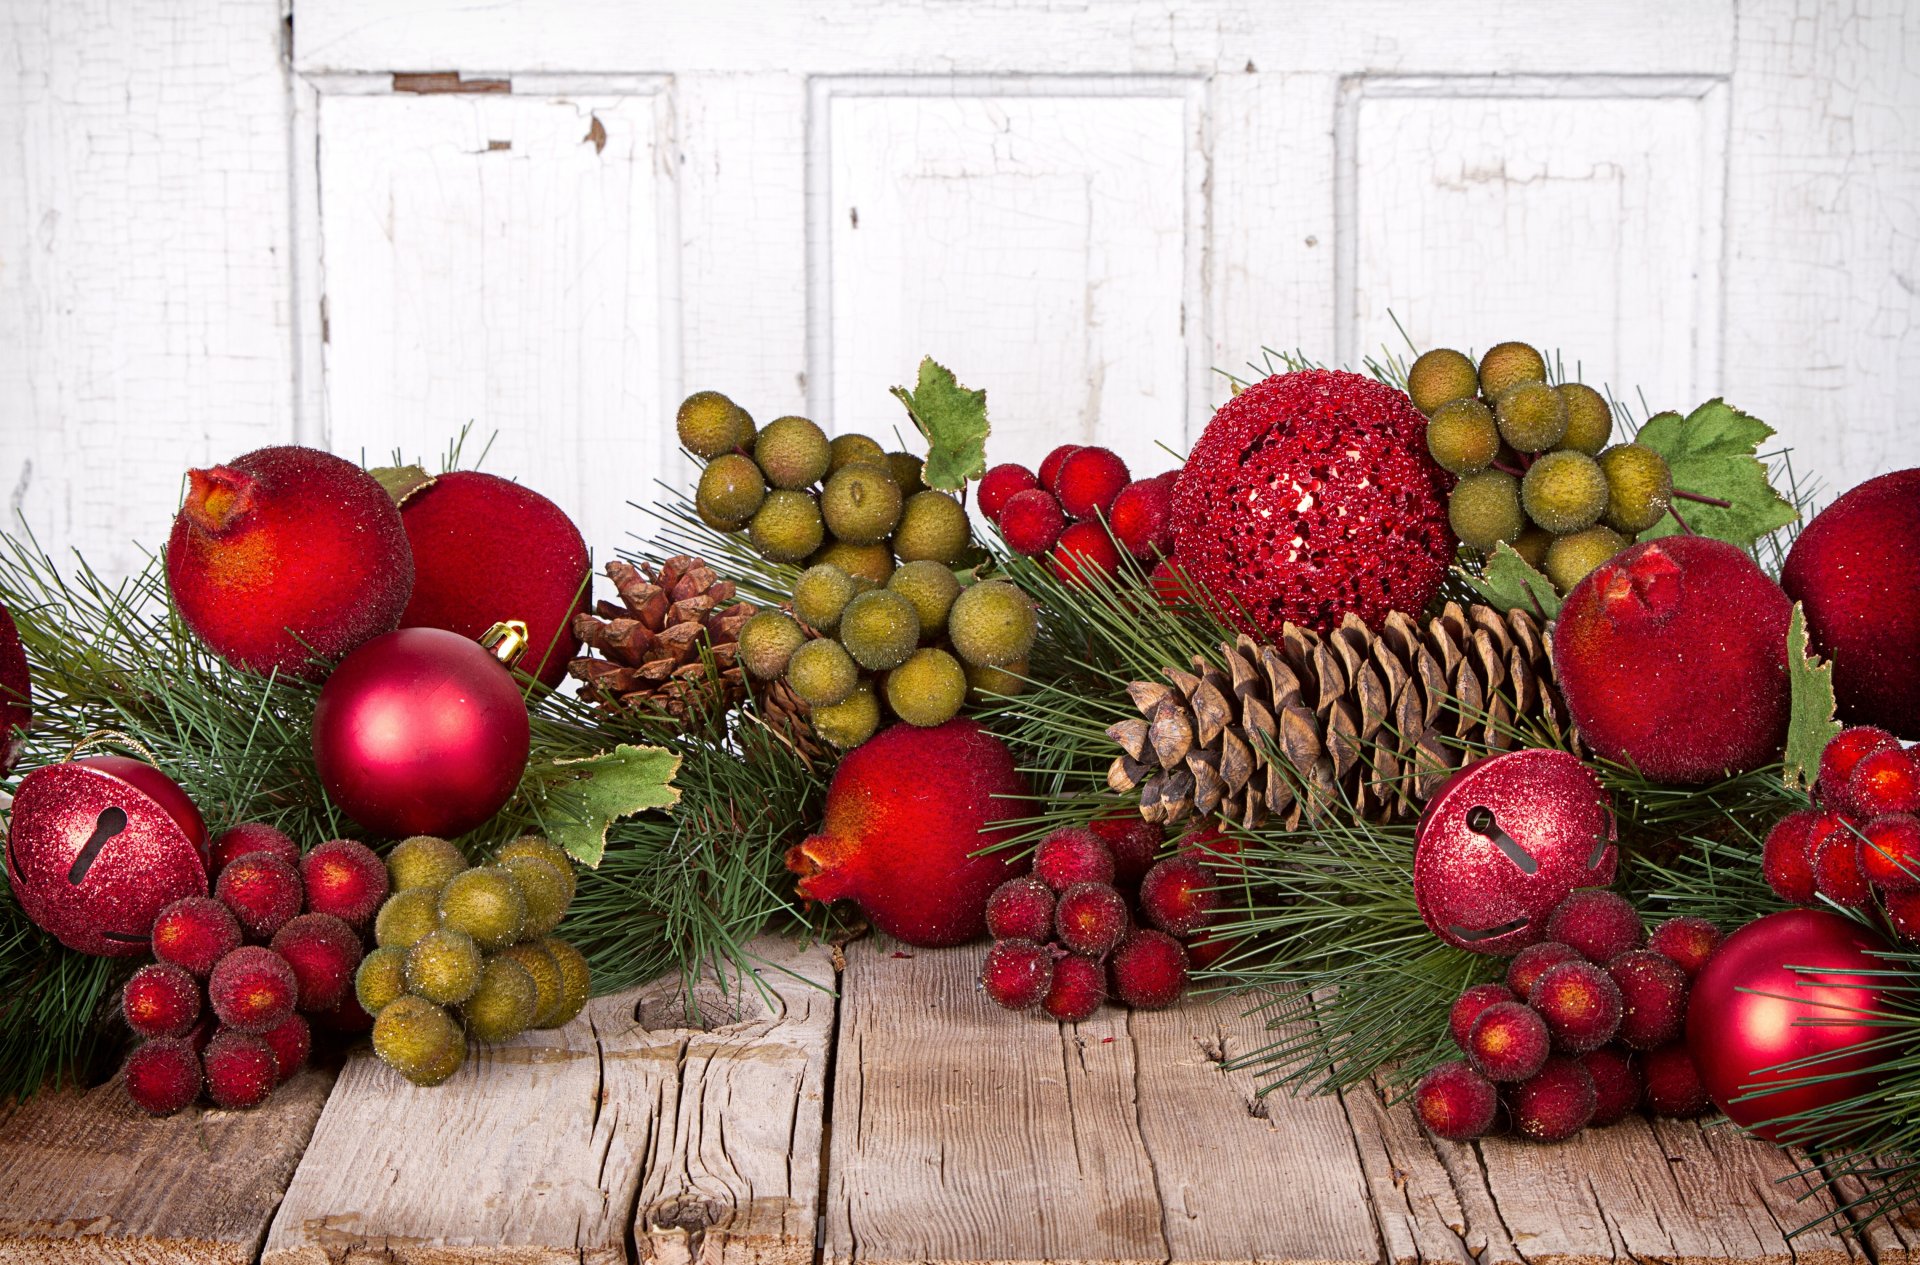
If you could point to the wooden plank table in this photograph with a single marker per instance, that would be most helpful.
(871, 1107)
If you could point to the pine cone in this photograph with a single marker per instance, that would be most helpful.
(669, 643)
(790, 719)
(1379, 718)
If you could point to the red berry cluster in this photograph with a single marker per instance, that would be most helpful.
(1587, 1027)
(225, 1007)
(1069, 935)
(1060, 511)
(1863, 838)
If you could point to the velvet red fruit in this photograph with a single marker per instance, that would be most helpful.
(1072, 854)
(1508, 1042)
(324, 953)
(1673, 1086)
(1653, 992)
(1536, 960)
(1089, 480)
(487, 550)
(195, 932)
(162, 1076)
(1581, 1005)
(249, 837)
(1091, 919)
(1617, 1087)
(1085, 555)
(1079, 987)
(1837, 868)
(241, 1069)
(1891, 853)
(262, 891)
(1031, 521)
(1017, 974)
(1554, 1103)
(1884, 782)
(1310, 495)
(1687, 942)
(1020, 909)
(287, 558)
(252, 989)
(1596, 923)
(291, 1041)
(1000, 485)
(1049, 471)
(1855, 570)
(1180, 896)
(1455, 1102)
(1673, 659)
(344, 877)
(1142, 518)
(160, 1000)
(16, 692)
(1132, 841)
(902, 845)
(1846, 749)
(1149, 970)
(1469, 1005)
(1786, 859)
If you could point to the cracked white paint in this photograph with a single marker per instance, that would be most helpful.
(1081, 207)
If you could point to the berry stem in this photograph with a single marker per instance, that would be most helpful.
(1685, 495)
(1503, 468)
(1675, 511)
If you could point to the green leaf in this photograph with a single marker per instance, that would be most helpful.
(1711, 452)
(1810, 724)
(599, 790)
(954, 422)
(401, 482)
(1508, 583)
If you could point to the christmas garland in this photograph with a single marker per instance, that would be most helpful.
(1334, 716)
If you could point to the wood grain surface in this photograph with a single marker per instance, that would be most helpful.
(90, 1177)
(542, 1148)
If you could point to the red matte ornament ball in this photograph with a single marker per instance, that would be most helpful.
(420, 732)
(1751, 1011)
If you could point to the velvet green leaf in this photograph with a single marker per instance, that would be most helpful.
(1810, 724)
(593, 793)
(1508, 583)
(954, 422)
(1712, 452)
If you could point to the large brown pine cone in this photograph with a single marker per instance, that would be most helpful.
(669, 644)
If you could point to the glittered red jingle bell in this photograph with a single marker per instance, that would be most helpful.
(1503, 843)
(98, 846)
(423, 731)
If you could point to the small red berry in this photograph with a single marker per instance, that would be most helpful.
(241, 1069)
(1688, 943)
(1142, 518)
(1508, 1042)
(252, 989)
(162, 1076)
(1031, 522)
(1149, 970)
(160, 1000)
(1835, 847)
(344, 878)
(1673, 1082)
(1903, 911)
(1214, 848)
(1072, 855)
(1616, 1083)
(1180, 896)
(1089, 480)
(324, 953)
(1554, 1103)
(1786, 859)
(1133, 841)
(291, 1041)
(1455, 1102)
(249, 837)
(1091, 918)
(1208, 948)
(1079, 986)
(1846, 749)
(1049, 471)
(1654, 993)
(1474, 1000)
(1581, 1005)
(1017, 974)
(1536, 960)
(194, 932)
(262, 890)
(1001, 484)
(1891, 854)
(1884, 782)
(1085, 555)
(1020, 909)
(1598, 924)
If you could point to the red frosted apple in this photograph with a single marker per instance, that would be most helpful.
(1673, 658)
(16, 691)
(905, 814)
(1856, 571)
(287, 556)
(486, 549)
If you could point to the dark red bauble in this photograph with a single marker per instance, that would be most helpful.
(1503, 843)
(98, 846)
(420, 732)
(1751, 1010)
(487, 550)
(1856, 571)
(1309, 495)
(16, 691)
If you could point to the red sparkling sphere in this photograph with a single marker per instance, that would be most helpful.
(1503, 843)
(1751, 1010)
(420, 732)
(97, 847)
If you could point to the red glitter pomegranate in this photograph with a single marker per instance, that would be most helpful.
(1311, 494)
(16, 691)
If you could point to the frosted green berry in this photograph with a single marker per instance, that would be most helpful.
(879, 629)
(908, 471)
(1531, 416)
(539, 966)
(821, 593)
(787, 527)
(1532, 546)
(1439, 377)
(1589, 418)
(1508, 364)
(1485, 510)
(987, 684)
(870, 565)
(729, 491)
(822, 673)
(932, 588)
(1462, 436)
(485, 902)
(1564, 491)
(928, 688)
(542, 849)
(576, 983)
(406, 916)
(933, 528)
(381, 978)
(792, 452)
(992, 624)
(848, 449)
(419, 1040)
(709, 424)
(504, 1004)
(1571, 558)
(1639, 487)
(861, 503)
(443, 966)
(767, 641)
(423, 861)
(847, 725)
(547, 889)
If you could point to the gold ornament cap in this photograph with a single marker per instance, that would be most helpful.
(506, 641)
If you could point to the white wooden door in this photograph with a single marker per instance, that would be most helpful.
(553, 218)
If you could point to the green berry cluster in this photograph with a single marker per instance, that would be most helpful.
(918, 646)
(1535, 468)
(802, 498)
(468, 951)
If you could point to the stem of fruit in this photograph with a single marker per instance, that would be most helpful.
(1675, 511)
(1685, 495)
(1503, 468)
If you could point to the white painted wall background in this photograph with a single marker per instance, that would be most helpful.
(221, 226)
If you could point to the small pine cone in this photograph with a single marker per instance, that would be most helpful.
(668, 645)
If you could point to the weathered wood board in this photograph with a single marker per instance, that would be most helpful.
(542, 1148)
(964, 1133)
(90, 1177)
